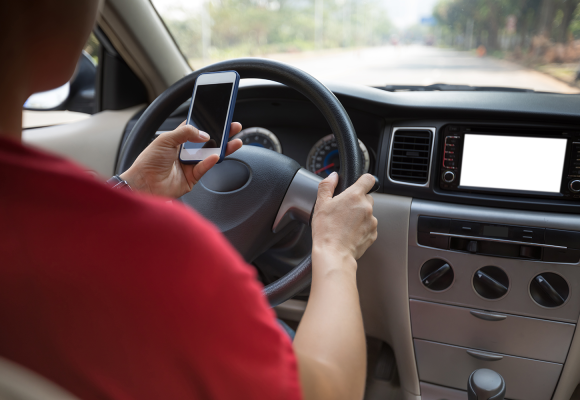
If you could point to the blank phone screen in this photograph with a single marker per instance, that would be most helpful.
(208, 114)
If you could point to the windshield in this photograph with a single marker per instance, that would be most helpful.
(394, 44)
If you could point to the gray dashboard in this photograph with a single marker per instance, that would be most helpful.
(375, 113)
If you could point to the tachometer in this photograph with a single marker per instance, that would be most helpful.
(323, 158)
(260, 137)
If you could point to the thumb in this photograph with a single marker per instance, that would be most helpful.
(182, 134)
(327, 186)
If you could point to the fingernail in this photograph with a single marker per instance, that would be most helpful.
(203, 135)
(332, 175)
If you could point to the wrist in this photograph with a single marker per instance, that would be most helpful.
(135, 181)
(329, 258)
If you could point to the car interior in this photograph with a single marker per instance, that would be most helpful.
(477, 261)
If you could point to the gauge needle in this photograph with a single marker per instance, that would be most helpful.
(324, 168)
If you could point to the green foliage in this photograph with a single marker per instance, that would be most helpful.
(575, 24)
(552, 19)
(92, 47)
(258, 27)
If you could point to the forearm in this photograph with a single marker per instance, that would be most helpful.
(330, 342)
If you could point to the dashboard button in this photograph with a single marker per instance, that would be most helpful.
(561, 255)
(448, 176)
(570, 239)
(525, 234)
(466, 228)
(472, 246)
(574, 186)
(433, 224)
(530, 252)
(436, 241)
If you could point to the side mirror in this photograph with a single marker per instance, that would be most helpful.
(76, 95)
(49, 100)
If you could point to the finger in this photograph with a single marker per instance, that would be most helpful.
(183, 123)
(203, 166)
(232, 146)
(363, 185)
(370, 199)
(235, 128)
(181, 135)
(327, 186)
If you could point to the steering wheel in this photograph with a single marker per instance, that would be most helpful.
(256, 196)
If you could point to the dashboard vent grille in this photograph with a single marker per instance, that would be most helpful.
(410, 156)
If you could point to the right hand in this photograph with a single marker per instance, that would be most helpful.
(344, 224)
(158, 170)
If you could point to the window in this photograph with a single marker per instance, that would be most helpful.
(74, 101)
(397, 45)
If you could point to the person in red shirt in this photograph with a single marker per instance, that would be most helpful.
(119, 295)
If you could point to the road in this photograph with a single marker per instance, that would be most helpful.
(420, 65)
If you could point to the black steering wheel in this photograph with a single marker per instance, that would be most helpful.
(255, 196)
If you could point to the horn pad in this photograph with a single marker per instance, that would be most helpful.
(227, 176)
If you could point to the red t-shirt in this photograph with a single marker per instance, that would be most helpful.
(116, 295)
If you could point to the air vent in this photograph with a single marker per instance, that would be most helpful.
(411, 155)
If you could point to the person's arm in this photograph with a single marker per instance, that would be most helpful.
(330, 341)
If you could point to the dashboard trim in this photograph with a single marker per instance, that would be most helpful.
(489, 239)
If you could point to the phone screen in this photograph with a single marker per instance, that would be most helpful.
(208, 114)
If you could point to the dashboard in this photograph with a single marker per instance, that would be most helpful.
(279, 118)
(290, 125)
(477, 260)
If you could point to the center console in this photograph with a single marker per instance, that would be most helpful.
(492, 288)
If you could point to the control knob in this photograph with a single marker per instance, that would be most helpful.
(449, 176)
(574, 186)
(491, 282)
(437, 275)
(549, 290)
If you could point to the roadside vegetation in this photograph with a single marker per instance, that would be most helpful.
(223, 29)
(542, 34)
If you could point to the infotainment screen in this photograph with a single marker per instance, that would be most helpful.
(512, 162)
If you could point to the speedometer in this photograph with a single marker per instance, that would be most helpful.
(259, 137)
(323, 157)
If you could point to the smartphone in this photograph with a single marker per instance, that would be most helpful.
(211, 110)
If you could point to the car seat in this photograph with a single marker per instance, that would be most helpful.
(20, 383)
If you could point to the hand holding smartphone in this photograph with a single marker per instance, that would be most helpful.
(211, 111)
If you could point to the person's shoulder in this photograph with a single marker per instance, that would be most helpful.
(52, 185)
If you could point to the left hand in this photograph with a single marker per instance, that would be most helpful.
(158, 171)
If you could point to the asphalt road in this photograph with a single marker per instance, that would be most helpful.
(420, 65)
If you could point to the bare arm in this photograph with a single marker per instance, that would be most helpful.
(330, 341)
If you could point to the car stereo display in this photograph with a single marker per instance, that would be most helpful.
(512, 163)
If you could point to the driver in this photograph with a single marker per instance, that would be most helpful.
(114, 294)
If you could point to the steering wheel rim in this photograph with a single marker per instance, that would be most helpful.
(351, 161)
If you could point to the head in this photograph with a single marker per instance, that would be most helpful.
(41, 41)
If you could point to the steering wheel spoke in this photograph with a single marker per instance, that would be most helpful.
(299, 200)
(245, 211)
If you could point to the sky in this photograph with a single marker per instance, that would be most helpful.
(409, 12)
(402, 13)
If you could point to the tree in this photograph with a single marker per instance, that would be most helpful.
(256, 27)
